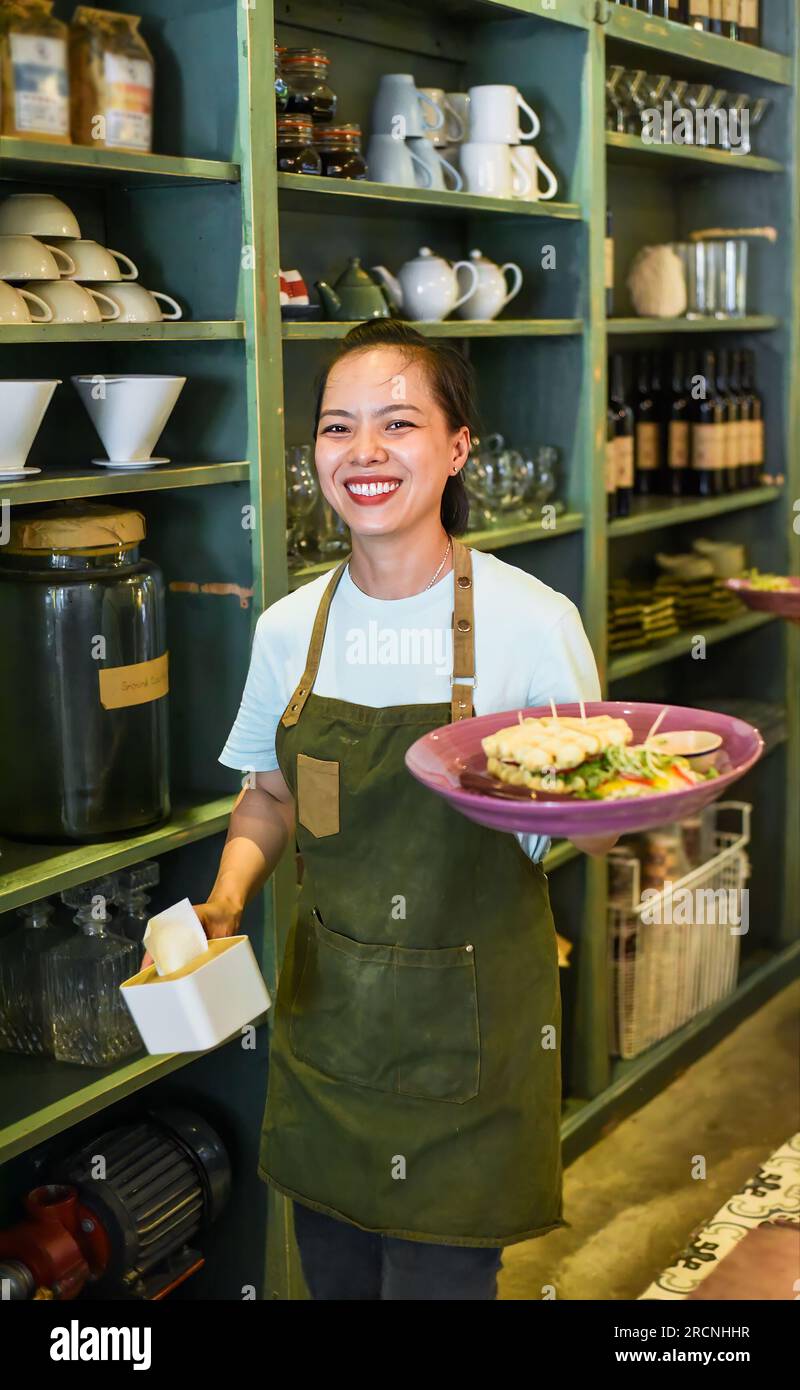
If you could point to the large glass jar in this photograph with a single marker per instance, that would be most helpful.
(83, 694)
(296, 152)
(306, 73)
(340, 151)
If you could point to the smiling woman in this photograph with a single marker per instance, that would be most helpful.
(413, 1108)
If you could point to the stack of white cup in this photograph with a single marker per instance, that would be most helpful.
(497, 158)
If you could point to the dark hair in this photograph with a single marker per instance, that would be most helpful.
(452, 381)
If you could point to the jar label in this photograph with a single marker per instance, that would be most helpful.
(646, 448)
(39, 82)
(134, 685)
(707, 447)
(609, 284)
(625, 461)
(678, 444)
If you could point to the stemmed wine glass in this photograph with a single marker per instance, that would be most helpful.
(634, 83)
(697, 95)
(655, 90)
(302, 491)
(616, 109)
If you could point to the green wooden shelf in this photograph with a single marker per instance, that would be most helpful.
(631, 26)
(631, 149)
(492, 538)
(448, 328)
(60, 484)
(184, 331)
(54, 163)
(630, 663)
(31, 871)
(653, 514)
(312, 191)
(750, 324)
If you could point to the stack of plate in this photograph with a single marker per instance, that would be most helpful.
(698, 600)
(637, 616)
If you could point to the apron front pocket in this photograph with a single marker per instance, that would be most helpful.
(394, 1018)
(318, 795)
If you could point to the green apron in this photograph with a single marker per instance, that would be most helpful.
(415, 1071)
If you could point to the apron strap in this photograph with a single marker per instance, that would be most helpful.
(463, 640)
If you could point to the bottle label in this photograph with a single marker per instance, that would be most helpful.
(726, 446)
(647, 448)
(678, 444)
(39, 79)
(134, 685)
(748, 14)
(737, 433)
(707, 447)
(730, 11)
(129, 102)
(698, 9)
(757, 448)
(625, 461)
(715, 9)
(611, 465)
(609, 281)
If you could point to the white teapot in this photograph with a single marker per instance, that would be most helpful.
(427, 286)
(491, 293)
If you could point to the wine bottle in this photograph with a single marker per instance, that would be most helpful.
(730, 472)
(757, 420)
(742, 420)
(659, 9)
(611, 464)
(676, 432)
(609, 263)
(707, 439)
(749, 28)
(647, 430)
(699, 14)
(624, 429)
(730, 19)
(677, 11)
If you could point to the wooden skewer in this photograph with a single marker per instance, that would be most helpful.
(553, 708)
(583, 711)
(655, 725)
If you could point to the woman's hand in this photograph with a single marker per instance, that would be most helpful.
(219, 916)
(595, 844)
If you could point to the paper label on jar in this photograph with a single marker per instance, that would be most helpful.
(646, 447)
(707, 447)
(625, 461)
(609, 280)
(611, 465)
(41, 91)
(757, 450)
(678, 444)
(748, 14)
(129, 102)
(134, 685)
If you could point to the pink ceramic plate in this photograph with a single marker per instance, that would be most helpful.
(439, 759)
(784, 603)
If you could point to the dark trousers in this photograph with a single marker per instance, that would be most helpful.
(342, 1262)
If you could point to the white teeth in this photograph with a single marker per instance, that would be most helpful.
(371, 489)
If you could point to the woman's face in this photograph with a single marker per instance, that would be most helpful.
(384, 449)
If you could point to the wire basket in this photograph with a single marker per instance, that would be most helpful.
(674, 953)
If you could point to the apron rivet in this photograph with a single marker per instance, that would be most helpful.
(294, 707)
(469, 948)
(464, 581)
(301, 692)
(464, 625)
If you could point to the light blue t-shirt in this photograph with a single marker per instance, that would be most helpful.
(529, 646)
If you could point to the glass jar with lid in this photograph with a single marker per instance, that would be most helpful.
(296, 152)
(281, 85)
(306, 74)
(339, 149)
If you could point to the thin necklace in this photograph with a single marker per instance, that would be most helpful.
(441, 567)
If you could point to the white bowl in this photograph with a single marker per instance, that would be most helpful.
(37, 214)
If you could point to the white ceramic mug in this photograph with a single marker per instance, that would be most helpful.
(439, 168)
(23, 257)
(14, 309)
(401, 109)
(494, 170)
(494, 112)
(74, 303)
(458, 102)
(391, 161)
(37, 214)
(138, 305)
(533, 164)
(453, 128)
(22, 408)
(95, 262)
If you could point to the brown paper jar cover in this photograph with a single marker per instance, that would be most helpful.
(86, 528)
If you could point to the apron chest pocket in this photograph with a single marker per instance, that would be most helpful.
(318, 795)
(390, 1017)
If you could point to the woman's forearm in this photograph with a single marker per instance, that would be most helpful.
(258, 832)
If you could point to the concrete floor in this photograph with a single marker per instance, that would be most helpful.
(631, 1200)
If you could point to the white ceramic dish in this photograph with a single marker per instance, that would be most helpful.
(128, 463)
(9, 474)
(698, 745)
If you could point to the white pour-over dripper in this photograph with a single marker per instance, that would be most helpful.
(22, 408)
(129, 413)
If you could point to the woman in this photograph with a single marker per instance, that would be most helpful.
(414, 1089)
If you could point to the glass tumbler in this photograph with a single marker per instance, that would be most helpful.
(731, 270)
